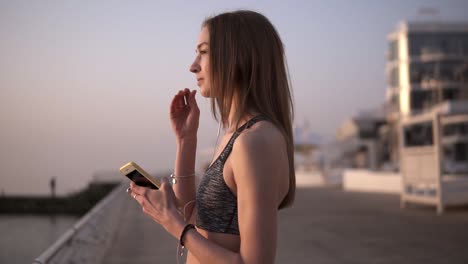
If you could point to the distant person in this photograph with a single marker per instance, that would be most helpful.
(240, 65)
(52, 187)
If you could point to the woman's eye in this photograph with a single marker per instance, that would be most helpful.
(203, 51)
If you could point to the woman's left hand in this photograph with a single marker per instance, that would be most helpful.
(159, 205)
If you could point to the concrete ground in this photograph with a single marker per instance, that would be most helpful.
(326, 225)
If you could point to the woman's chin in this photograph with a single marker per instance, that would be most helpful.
(204, 93)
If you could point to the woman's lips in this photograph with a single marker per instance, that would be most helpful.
(199, 80)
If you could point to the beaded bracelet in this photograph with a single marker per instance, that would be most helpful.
(174, 177)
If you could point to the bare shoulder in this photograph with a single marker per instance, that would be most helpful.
(261, 136)
(260, 146)
(260, 164)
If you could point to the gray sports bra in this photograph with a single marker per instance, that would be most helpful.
(216, 204)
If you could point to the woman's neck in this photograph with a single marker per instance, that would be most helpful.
(246, 116)
(231, 127)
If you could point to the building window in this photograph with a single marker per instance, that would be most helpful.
(394, 77)
(448, 71)
(450, 94)
(423, 99)
(461, 152)
(461, 72)
(456, 129)
(420, 72)
(438, 42)
(417, 135)
(393, 50)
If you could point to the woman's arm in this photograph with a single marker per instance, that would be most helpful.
(257, 194)
(258, 198)
(160, 206)
(184, 114)
(184, 189)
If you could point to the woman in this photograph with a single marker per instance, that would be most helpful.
(240, 65)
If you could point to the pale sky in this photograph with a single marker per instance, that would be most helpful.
(85, 86)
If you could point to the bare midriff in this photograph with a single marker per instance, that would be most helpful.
(227, 241)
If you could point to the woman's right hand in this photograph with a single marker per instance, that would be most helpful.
(185, 115)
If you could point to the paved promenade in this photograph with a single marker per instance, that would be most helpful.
(326, 226)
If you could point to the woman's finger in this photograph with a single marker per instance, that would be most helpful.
(165, 185)
(140, 199)
(168, 192)
(138, 190)
(147, 207)
(180, 99)
(148, 211)
(192, 101)
(173, 103)
(186, 95)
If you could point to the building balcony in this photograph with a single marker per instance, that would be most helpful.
(439, 56)
(430, 84)
(447, 140)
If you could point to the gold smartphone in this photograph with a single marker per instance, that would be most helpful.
(139, 176)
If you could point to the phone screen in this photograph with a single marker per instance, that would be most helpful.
(140, 180)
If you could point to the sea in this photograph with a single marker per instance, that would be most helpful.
(25, 237)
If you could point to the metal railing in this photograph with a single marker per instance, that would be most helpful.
(87, 240)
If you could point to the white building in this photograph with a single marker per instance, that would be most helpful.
(427, 64)
(427, 110)
(358, 139)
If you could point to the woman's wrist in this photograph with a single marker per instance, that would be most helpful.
(176, 226)
(187, 141)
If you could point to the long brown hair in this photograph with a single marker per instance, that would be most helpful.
(248, 68)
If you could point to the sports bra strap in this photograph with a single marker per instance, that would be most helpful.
(250, 123)
(228, 148)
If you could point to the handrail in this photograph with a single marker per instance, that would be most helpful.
(50, 252)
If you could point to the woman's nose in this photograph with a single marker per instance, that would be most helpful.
(195, 67)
